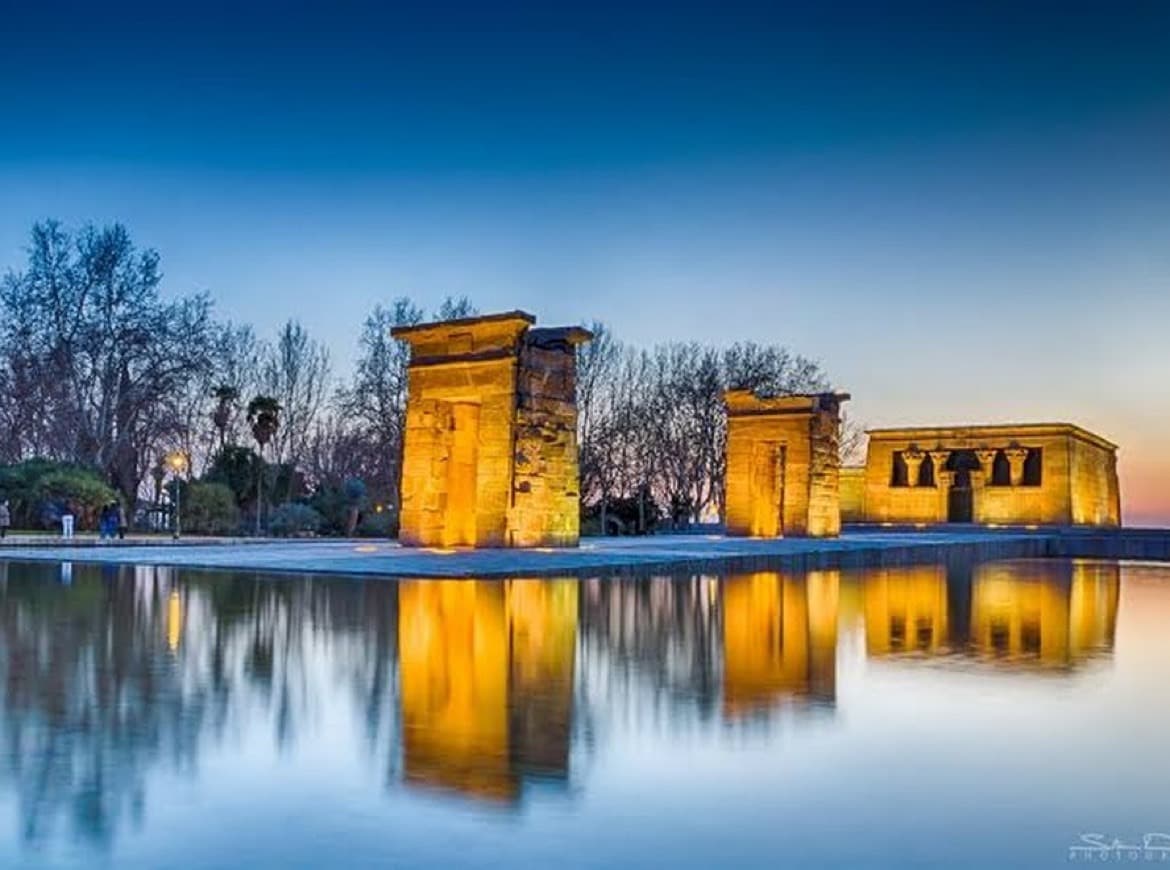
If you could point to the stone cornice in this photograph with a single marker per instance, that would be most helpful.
(982, 433)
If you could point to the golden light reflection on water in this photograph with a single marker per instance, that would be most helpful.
(174, 620)
(1017, 614)
(495, 685)
(488, 668)
(779, 639)
(487, 673)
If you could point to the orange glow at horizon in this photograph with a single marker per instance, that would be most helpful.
(1145, 490)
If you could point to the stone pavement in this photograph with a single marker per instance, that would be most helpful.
(596, 556)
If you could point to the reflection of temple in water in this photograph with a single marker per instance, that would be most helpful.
(1051, 614)
(733, 648)
(486, 671)
(779, 639)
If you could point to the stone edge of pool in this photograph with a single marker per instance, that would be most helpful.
(858, 548)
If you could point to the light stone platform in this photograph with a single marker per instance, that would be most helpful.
(610, 556)
(596, 557)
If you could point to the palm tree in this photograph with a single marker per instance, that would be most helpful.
(264, 417)
(226, 397)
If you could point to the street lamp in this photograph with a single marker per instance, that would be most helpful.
(177, 463)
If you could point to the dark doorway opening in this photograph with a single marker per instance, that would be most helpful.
(961, 499)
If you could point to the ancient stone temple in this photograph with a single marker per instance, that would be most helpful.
(1050, 473)
(490, 450)
(782, 464)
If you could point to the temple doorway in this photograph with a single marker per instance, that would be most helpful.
(459, 524)
(961, 499)
(767, 489)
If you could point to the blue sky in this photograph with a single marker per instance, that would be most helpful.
(963, 211)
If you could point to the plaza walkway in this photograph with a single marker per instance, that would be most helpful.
(606, 556)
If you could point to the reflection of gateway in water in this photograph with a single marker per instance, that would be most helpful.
(486, 682)
(779, 639)
(1015, 612)
(734, 647)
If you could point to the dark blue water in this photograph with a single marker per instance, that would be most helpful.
(970, 715)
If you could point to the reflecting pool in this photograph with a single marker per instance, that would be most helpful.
(963, 714)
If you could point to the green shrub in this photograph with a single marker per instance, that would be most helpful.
(40, 490)
(329, 502)
(209, 508)
(378, 524)
(292, 519)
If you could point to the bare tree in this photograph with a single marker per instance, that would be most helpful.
(374, 403)
(853, 441)
(94, 357)
(296, 373)
(455, 308)
(372, 407)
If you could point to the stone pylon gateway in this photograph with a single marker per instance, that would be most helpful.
(490, 449)
(783, 464)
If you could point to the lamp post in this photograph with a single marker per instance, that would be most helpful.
(177, 462)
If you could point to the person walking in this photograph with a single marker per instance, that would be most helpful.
(109, 521)
(5, 518)
(123, 523)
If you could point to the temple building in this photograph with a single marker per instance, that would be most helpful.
(1049, 473)
(490, 449)
(782, 464)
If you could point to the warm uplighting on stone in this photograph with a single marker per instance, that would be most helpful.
(782, 464)
(992, 475)
(490, 453)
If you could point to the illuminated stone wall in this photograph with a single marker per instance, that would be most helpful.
(490, 449)
(852, 493)
(545, 507)
(782, 465)
(1096, 495)
(1015, 475)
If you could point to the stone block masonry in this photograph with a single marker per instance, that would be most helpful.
(783, 465)
(1020, 474)
(490, 452)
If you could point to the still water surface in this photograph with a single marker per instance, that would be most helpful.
(965, 715)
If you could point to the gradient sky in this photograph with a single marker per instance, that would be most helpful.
(962, 210)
